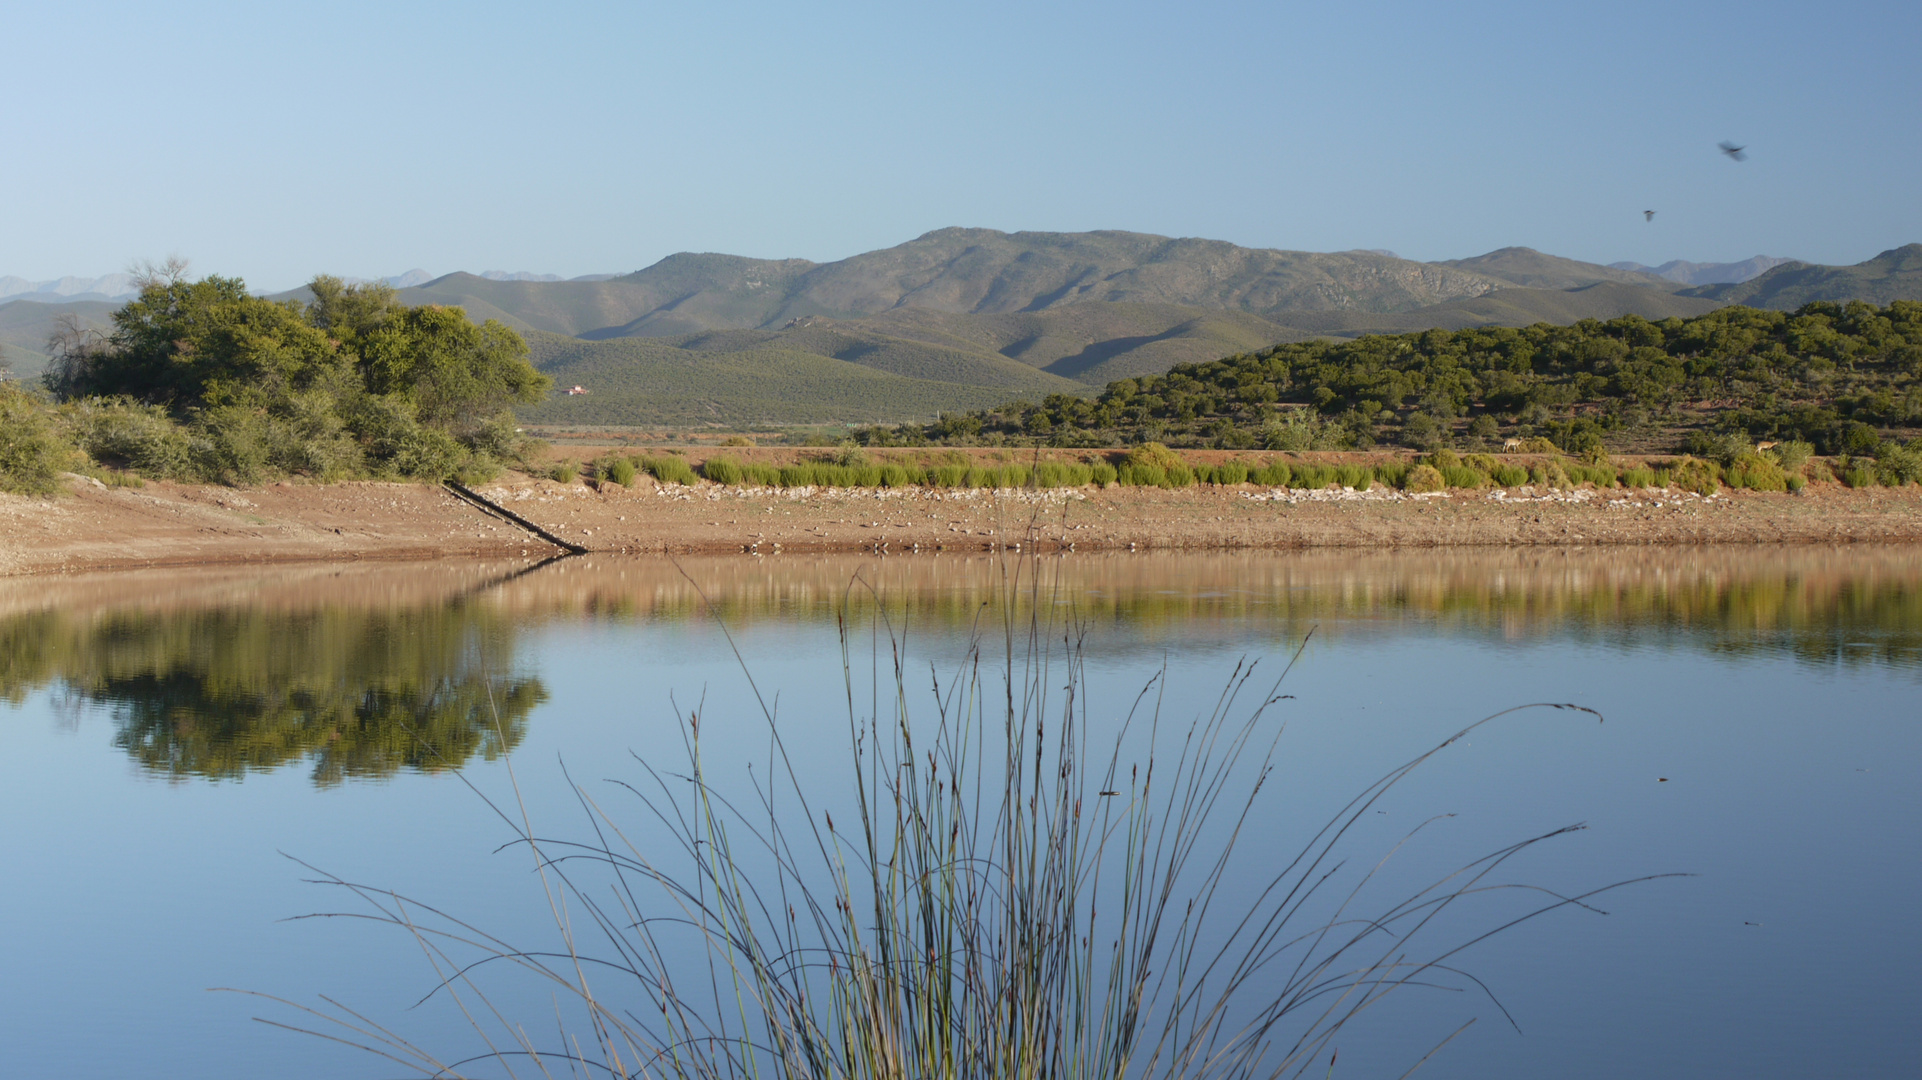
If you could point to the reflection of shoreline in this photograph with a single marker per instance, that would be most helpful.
(1772, 585)
(217, 672)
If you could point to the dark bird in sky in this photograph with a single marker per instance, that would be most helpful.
(1734, 152)
(1648, 215)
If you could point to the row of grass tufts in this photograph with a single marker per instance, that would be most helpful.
(1788, 467)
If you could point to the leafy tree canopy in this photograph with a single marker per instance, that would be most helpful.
(353, 382)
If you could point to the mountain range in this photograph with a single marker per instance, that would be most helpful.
(958, 318)
(1694, 273)
(1896, 274)
(68, 289)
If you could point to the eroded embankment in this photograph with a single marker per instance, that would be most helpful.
(174, 524)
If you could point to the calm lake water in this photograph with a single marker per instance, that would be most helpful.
(176, 739)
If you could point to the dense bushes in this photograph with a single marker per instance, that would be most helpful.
(32, 454)
(1841, 377)
(201, 381)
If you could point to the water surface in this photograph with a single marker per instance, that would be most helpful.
(172, 734)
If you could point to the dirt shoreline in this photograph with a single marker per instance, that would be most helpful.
(163, 524)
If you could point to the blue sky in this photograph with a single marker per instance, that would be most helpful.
(279, 141)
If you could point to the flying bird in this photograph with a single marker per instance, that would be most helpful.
(1734, 152)
(1648, 215)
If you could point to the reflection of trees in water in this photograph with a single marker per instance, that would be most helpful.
(220, 693)
(365, 691)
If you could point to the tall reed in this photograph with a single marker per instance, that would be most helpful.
(996, 893)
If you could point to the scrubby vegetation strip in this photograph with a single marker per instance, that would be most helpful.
(1732, 463)
(1846, 379)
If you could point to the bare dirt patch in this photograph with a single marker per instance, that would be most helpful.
(172, 524)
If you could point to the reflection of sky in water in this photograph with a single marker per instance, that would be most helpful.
(1775, 693)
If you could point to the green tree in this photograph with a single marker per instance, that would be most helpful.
(456, 374)
(353, 382)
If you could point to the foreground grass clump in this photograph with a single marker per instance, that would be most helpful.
(990, 891)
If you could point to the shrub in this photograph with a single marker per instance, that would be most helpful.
(1694, 474)
(761, 475)
(121, 432)
(1424, 478)
(1143, 475)
(1756, 472)
(670, 470)
(1103, 473)
(32, 454)
(1896, 464)
(1461, 476)
(1231, 473)
(1155, 454)
(1275, 474)
(722, 470)
(620, 471)
(1638, 478)
(1312, 477)
(738, 440)
(1796, 482)
(895, 476)
(1394, 474)
(564, 472)
(1794, 454)
(229, 446)
(476, 469)
(1355, 476)
(1602, 476)
(949, 476)
(498, 436)
(1509, 476)
(1552, 473)
(1444, 459)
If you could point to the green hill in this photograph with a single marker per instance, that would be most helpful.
(650, 381)
(1895, 274)
(1089, 343)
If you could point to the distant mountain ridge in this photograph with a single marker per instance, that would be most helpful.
(1694, 273)
(1895, 274)
(68, 289)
